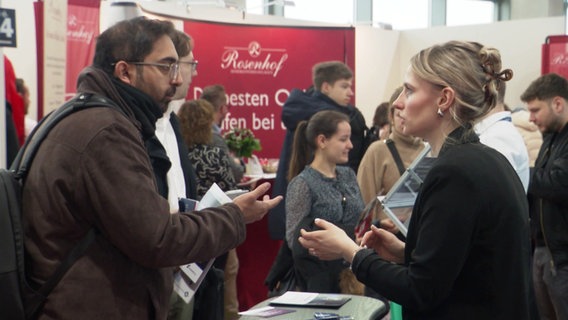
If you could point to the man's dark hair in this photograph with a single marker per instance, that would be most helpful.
(546, 87)
(381, 116)
(130, 40)
(215, 94)
(20, 86)
(182, 42)
(330, 72)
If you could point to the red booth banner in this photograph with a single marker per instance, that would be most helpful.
(82, 30)
(259, 66)
(555, 55)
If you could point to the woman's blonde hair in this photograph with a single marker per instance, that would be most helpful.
(196, 121)
(472, 70)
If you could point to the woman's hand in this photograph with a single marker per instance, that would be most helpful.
(388, 225)
(330, 243)
(385, 244)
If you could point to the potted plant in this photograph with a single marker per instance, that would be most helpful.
(242, 143)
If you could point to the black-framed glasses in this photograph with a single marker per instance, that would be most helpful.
(171, 68)
(193, 64)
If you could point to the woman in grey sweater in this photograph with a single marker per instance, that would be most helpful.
(321, 190)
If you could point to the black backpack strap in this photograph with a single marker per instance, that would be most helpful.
(36, 301)
(396, 156)
(81, 101)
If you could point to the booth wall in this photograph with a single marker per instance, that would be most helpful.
(379, 69)
(377, 72)
(381, 55)
(519, 41)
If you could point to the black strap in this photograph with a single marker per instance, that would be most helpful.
(27, 152)
(35, 302)
(21, 166)
(396, 156)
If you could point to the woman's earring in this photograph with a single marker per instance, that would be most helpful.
(440, 113)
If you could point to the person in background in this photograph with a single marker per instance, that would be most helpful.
(467, 251)
(211, 163)
(381, 122)
(24, 92)
(12, 144)
(547, 101)
(496, 129)
(379, 170)
(217, 96)
(181, 180)
(320, 188)
(14, 104)
(529, 131)
(101, 159)
(331, 90)
(15, 100)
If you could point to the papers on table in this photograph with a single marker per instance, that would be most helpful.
(310, 299)
(265, 312)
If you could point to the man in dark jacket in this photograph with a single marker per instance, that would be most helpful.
(94, 170)
(331, 90)
(546, 98)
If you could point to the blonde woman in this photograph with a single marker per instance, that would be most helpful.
(467, 251)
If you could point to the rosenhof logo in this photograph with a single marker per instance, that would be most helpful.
(80, 31)
(262, 61)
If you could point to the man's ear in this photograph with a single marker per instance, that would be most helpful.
(320, 140)
(124, 72)
(325, 87)
(558, 104)
(446, 98)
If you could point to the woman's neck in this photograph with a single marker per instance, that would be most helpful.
(437, 138)
(324, 167)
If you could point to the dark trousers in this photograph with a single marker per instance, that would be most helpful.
(550, 286)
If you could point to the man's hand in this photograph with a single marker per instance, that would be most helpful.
(253, 209)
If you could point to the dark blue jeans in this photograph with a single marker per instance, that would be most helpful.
(550, 286)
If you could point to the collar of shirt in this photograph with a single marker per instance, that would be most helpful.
(489, 121)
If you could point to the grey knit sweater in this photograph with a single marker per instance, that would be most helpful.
(337, 200)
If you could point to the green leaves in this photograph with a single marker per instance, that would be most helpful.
(242, 142)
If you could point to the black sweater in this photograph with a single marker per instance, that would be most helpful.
(467, 254)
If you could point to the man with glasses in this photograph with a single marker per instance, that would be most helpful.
(181, 177)
(100, 168)
(181, 180)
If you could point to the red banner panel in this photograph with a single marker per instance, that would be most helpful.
(555, 55)
(82, 30)
(259, 66)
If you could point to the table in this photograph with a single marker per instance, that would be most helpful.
(359, 307)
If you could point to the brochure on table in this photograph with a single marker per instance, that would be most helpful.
(310, 299)
(398, 202)
(190, 276)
